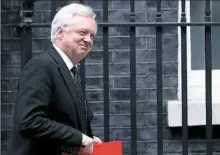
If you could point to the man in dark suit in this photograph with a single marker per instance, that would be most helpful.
(51, 115)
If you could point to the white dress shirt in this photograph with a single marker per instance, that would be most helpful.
(65, 58)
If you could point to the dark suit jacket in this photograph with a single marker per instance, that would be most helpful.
(46, 109)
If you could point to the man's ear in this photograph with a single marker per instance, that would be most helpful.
(59, 33)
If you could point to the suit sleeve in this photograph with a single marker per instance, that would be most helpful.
(33, 97)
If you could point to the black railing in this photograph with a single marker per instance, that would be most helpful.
(184, 81)
(124, 24)
(25, 31)
(159, 80)
(208, 78)
(133, 79)
(106, 71)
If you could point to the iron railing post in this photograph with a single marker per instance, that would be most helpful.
(208, 78)
(25, 30)
(133, 79)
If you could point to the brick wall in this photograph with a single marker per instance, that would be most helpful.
(10, 63)
(119, 63)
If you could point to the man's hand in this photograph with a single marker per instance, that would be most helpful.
(96, 140)
(87, 145)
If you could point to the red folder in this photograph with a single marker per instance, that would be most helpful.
(107, 148)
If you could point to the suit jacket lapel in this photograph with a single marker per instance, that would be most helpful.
(64, 71)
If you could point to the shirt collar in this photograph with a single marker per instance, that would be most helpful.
(65, 58)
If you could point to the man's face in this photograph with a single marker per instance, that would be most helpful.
(78, 40)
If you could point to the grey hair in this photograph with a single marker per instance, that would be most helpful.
(64, 16)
